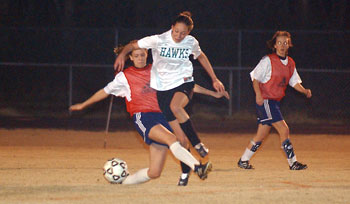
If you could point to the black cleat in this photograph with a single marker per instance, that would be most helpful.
(183, 182)
(298, 166)
(202, 170)
(202, 150)
(244, 164)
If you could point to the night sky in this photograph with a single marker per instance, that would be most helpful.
(229, 14)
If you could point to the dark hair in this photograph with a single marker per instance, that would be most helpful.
(185, 18)
(271, 43)
(119, 49)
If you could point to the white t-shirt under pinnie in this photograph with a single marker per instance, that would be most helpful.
(171, 64)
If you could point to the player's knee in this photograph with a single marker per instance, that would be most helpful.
(153, 174)
(175, 109)
(184, 142)
(284, 133)
(170, 139)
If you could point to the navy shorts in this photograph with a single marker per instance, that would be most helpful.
(165, 97)
(144, 123)
(269, 112)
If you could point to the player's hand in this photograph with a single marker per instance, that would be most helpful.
(119, 63)
(218, 86)
(308, 93)
(259, 100)
(221, 94)
(76, 107)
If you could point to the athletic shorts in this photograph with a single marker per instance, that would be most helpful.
(144, 123)
(269, 112)
(165, 97)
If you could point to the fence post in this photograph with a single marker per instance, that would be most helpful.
(70, 85)
(239, 51)
(230, 92)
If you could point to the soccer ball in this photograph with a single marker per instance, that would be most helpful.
(115, 170)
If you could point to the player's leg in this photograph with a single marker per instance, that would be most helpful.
(262, 132)
(181, 137)
(161, 134)
(164, 100)
(177, 106)
(157, 156)
(283, 130)
(265, 116)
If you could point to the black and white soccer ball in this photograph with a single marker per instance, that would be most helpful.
(115, 170)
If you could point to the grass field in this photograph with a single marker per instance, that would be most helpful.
(65, 166)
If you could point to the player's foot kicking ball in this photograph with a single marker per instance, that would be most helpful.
(244, 164)
(203, 170)
(183, 180)
(298, 166)
(202, 150)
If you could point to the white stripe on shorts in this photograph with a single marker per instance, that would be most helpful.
(267, 110)
(141, 126)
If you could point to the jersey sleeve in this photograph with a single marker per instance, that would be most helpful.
(148, 42)
(262, 71)
(119, 87)
(196, 50)
(294, 79)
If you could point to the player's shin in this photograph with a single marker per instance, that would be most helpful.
(248, 153)
(183, 155)
(288, 149)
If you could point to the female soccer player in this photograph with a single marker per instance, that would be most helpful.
(141, 101)
(270, 79)
(171, 76)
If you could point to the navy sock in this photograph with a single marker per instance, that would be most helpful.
(191, 134)
(185, 169)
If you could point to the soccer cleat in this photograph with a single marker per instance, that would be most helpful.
(244, 164)
(183, 181)
(298, 166)
(202, 150)
(202, 170)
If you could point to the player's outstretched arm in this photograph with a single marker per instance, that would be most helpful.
(203, 59)
(98, 96)
(301, 89)
(202, 90)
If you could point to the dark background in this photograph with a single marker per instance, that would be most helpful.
(231, 33)
(234, 14)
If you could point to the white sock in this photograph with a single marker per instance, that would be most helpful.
(292, 160)
(247, 155)
(184, 175)
(140, 176)
(183, 155)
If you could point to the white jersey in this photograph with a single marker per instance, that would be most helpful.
(119, 87)
(262, 72)
(171, 64)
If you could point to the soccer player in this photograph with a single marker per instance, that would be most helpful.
(172, 77)
(141, 101)
(270, 79)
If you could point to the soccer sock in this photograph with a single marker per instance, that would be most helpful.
(140, 176)
(191, 134)
(185, 169)
(183, 155)
(248, 153)
(288, 149)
